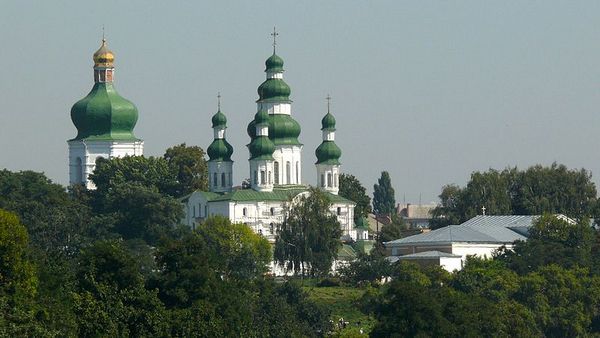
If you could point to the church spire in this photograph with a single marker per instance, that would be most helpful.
(220, 165)
(328, 154)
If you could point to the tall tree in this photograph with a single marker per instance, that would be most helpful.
(309, 237)
(384, 200)
(352, 189)
(191, 168)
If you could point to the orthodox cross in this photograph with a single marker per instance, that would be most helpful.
(483, 210)
(328, 98)
(274, 35)
(219, 101)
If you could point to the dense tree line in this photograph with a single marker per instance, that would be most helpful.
(114, 262)
(534, 191)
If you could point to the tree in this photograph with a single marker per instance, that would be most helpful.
(537, 190)
(352, 189)
(309, 237)
(238, 251)
(384, 201)
(190, 165)
(145, 171)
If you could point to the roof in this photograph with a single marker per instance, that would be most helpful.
(346, 253)
(480, 229)
(280, 193)
(422, 256)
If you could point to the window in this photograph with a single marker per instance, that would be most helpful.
(245, 212)
(230, 180)
(255, 177)
(263, 179)
(206, 210)
(329, 180)
(199, 209)
(339, 211)
(297, 172)
(223, 182)
(271, 228)
(214, 180)
(276, 170)
(270, 181)
(288, 174)
(335, 180)
(194, 214)
(272, 211)
(322, 180)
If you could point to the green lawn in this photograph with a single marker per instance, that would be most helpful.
(343, 303)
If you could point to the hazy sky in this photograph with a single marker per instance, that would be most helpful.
(430, 91)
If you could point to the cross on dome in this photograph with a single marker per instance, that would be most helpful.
(274, 35)
(328, 98)
(219, 101)
(483, 210)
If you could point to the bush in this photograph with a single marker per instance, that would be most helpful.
(328, 282)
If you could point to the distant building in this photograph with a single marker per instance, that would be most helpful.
(417, 216)
(480, 236)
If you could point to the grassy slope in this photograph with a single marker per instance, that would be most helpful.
(343, 303)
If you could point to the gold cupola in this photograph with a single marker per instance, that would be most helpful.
(104, 57)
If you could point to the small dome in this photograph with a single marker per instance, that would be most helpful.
(219, 120)
(104, 57)
(274, 89)
(261, 148)
(220, 150)
(362, 223)
(274, 64)
(328, 153)
(261, 117)
(328, 122)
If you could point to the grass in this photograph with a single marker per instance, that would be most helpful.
(343, 302)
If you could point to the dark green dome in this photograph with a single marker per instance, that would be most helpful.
(328, 122)
(283, 129)
(328, 153)
(261, 117)
(274, 89)
(104, 115)
(220, 150)
(261, 148)
(274, 64)
(362, 223)
(219, 120)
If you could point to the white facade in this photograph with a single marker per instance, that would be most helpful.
(287, 165)
(83, 155)
(328, 176)
(220, 174)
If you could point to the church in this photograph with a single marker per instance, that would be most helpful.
(105, 122)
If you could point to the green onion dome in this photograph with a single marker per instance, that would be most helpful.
(104, 115)
(261, 117)
(274, 64)
(328, 153)
(220, 150)
(283, 130)
(328, 122)
(274, 89)
(261, 147)
(219, 120)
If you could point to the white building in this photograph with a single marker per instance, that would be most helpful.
(479, 236)
(275, 162)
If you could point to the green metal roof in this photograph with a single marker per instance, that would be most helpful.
(274, 89)
(274, 64)
(346, 253)
(104, 115)
(219, 150)
(328, 153)
(219, 120)
(283, 129)
(328, 122)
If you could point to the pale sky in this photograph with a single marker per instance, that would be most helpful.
(429, 91)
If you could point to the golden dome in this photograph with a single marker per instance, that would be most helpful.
(104, 57)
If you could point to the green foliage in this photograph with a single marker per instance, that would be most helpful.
(537, 190)
(352, 189)
(384, 200)
(191, 168)
(239, 251)
(309, 237)
(366, 268)
(150, 172)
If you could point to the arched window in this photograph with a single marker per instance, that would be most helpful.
(335, 180)
(271, 228)
(245, 212)
(272, 211)
(223, 182)
(255, 177)
(288, 173)
(270, 181)
(230, 180)
(78, 171)
(328, 180)
(322, 180)
(263, 178)
(339, 211)
(214, 180)
(199, 209)
(276, 170)
(194, 214)
(297, 172)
